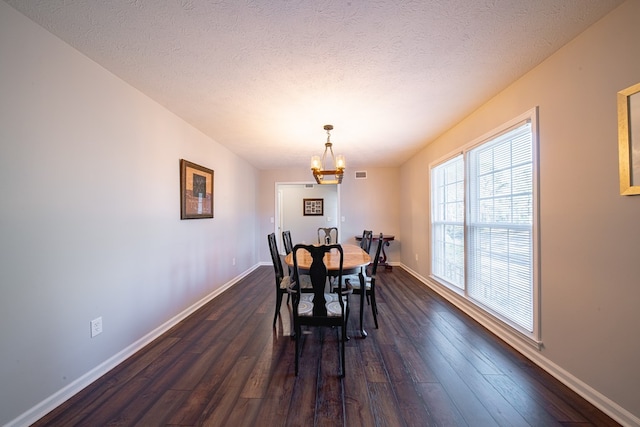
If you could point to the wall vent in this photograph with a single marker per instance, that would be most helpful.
(361, 174)
(308, 186)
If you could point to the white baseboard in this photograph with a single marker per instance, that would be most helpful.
(43, 408)
(524, 347)
(605, 404)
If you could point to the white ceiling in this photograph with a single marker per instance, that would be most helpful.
(263, 77)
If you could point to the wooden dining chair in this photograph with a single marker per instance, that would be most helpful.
(365, 245)
(288, 247)
(353, 281)
(303, 279)
(367, 238)
(320, 307)
(283, 281)
(286, 239)
(327, 235)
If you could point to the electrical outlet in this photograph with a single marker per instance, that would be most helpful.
(233, 261)
(416, 256)
(96, 326)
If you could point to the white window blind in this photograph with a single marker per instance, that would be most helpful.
(447, 225)
(500, 225)
(482, 225)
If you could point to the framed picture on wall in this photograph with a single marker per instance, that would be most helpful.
(196, 191)
(629, 139)
(313, 207)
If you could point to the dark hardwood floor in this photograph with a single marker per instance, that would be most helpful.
(428, 364)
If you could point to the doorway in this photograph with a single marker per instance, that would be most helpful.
(290, 215)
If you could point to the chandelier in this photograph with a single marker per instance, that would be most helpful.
(334, 174)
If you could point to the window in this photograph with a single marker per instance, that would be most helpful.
(448, 221)
(483, 223)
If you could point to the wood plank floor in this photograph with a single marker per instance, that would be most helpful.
(428, 364)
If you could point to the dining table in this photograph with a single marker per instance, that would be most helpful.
(354, 259)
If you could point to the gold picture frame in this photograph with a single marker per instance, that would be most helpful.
(196, 191)
(629, 140)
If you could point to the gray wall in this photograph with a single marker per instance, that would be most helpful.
(590, 235)
(90, 217)
(304, 227)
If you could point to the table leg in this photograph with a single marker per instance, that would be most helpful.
(363, 296)
(383, 257)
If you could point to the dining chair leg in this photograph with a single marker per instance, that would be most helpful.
(363, 294)
(278, 304)
(347, 312)
(374, 307)
(297, 344)
(343, 338)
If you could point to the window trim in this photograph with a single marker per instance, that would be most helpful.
(534, 337)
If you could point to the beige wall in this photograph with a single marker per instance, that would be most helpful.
(589, 234)
(373, 203)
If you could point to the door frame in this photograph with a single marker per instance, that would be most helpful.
(278, 222)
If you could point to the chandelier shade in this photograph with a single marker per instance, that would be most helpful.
(334, 173)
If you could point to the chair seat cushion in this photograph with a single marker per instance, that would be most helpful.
(354, 281)
(305, 282)
(305, 306)
(285, 282)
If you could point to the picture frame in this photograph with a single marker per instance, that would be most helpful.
(196, 191)
(313, 207)
(629, 140)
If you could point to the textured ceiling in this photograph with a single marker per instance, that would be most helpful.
(262, 77)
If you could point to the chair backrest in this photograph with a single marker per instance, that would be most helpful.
(327, 235)
(275, 258)
(367, 238)
(286, 239)
(319, 274)
(374, 267)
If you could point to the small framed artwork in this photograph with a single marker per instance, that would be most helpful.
(196, 191)
(629, 140)
(313, 207)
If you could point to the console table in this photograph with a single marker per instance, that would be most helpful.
(386, 238)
